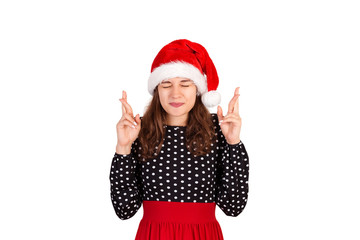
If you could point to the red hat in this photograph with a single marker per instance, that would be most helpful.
(183, 58)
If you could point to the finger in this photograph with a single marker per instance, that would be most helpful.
(236, 107)
(131, 111)
(232, 115)
(126, 122)
(231, 119)
(232, 103)
(220, 113)
(127, 107)
(130, 118)
(123, 110)
(122, 105)
(136, 119)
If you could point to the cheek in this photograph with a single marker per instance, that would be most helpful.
(163, 97)
(192, 93)
(161, 93)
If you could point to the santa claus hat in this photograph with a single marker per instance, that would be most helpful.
(183, 58)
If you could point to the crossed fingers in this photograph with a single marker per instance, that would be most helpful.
(234, 102)
(126, 108)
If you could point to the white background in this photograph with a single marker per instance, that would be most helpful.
(63, 65)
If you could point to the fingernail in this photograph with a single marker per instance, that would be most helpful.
(135, 123)
(133, 126)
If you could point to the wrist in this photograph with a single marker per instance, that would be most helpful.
(124, 150)
(233, 142)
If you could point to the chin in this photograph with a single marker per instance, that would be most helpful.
(177, 112)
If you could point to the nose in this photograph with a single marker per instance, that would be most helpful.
(176, 91)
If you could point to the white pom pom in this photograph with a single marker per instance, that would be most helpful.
(211, 99)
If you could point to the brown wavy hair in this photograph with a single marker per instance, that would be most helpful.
(199, 134)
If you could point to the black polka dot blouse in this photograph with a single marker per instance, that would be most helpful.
(175, 175)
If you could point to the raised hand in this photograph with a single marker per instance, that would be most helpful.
(128, 127)
(231, 123)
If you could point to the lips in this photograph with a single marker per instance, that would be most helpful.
(176, 104)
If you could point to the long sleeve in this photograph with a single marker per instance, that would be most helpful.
(125, 181)
(232, 176)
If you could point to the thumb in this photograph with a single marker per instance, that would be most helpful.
(219, 113)
(137, 118)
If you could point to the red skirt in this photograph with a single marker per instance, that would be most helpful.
(178, 221)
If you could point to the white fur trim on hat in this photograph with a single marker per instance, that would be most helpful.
(177, 69)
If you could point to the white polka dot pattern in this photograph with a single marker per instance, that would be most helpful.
(175, 176)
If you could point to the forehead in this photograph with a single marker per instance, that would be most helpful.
(177, 80)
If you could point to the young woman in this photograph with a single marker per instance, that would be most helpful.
(179, 160)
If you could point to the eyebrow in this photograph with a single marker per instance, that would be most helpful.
(185, 80)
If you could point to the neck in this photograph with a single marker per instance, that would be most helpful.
(177, 120)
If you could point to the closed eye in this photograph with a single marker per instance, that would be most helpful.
(182, 86)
